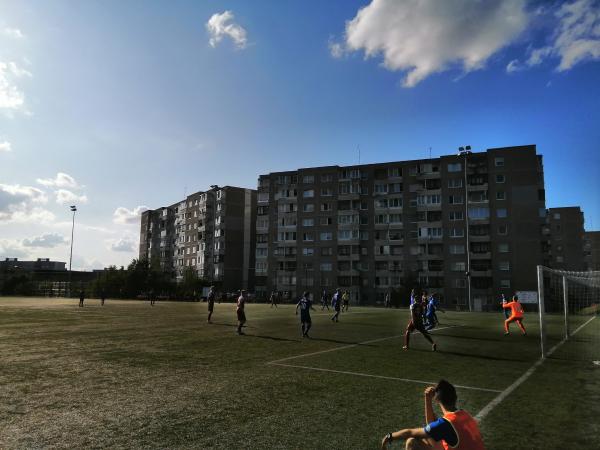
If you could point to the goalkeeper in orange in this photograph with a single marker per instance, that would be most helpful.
(516, 315)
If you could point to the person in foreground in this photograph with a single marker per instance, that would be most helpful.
(456, 429)
(305, 305)
(515, 316)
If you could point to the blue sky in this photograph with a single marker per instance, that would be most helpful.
(135, 107)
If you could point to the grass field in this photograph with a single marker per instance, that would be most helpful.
(128, 375)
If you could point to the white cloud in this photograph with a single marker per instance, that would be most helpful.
(12, 249)
(13, 33)
(125, 244)
(21, 204)
(423, 37)
(12, 97)
(222, 25)
(62, 180)
(128, 217)
(63, 196)
(576, 37)
(336, 49)
(5, 147)
(48, 240)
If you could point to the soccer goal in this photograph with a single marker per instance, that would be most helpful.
(567, 301)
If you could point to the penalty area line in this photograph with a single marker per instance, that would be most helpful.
(506, 392)
(381, 377)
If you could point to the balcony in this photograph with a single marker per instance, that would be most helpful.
(477, 238)
(487, 255)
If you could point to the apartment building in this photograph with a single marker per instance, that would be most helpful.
(592, 250)
(565, 232)
(467, 226)
(211, 231)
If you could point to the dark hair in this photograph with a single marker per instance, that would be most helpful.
(306, 294)
(445, 394)
(515, 297)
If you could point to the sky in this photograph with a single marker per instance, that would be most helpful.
(121, 106)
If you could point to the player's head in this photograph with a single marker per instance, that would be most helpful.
(446, 394)
(306, 294)
(515, 298)
(243, 292)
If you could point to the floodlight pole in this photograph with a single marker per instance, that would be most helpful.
(468, 249)
(74, 210)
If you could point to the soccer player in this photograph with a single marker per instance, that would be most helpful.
(515, 316)
(81, 298)
(102, 297)
(273, 299)
(506, 311)
(416, 323)
(241, 315)
(211, 302)
(455, 429)
(430, 315)
(335, 304)
(324, 300)
(345, 301)
(152, 298)
(305, 305)
(413, 297)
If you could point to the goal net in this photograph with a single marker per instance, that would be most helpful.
(568, 305)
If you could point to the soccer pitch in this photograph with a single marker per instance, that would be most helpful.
(128, 375)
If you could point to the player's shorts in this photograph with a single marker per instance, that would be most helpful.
(416, 326)
(305, 318)
(241, 315)
(211, 306)
(512, 318)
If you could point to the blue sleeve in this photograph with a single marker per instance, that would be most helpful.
(442, 430)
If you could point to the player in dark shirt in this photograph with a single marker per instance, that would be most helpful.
(336, 301)
(305, 306)
(416, 323)
(324, 300)
(274, 296)
(211, 302)
(81, 298)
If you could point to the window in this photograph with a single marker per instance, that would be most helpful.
(286, 236)
(308, 207)
(501, 213)
(380, 188)
(457, 249)
(502, 230)
(326, 251)
(456, 215)
(479, 213)
(261, 266)
(326, 267)
(308, 251)
(325, 206)
(500, 178)
(394, 172)
(560, 259)
(308, 179)
(395, 202)
(458, 266)
(499, 161)
(326, 236)
(326, 220)
(285, 207)
(326, 177)
(308, 237)
(394, 188)
(308, 222)
(504, 265)
(455, 199)
(326, 192)
(500, 195)
(457, 232)
(505, 284)
(428, 199)
(502, 248)
(263, 197)
(455, 167)
(308, 193)
(261, 252)
(460, 283)
(455, 183)
(344, 235)
(395, 218)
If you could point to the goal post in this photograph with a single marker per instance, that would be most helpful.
(567, 300)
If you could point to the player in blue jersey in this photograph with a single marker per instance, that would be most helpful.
(305, 305)
(324, 300)
(430, 312)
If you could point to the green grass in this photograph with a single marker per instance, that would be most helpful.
(127, 375)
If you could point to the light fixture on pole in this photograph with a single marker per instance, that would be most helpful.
(73, 210)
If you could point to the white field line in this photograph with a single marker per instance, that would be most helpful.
(359, 374)
(506, 392)
(349, 346)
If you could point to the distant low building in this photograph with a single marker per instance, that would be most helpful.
(41, 265)
(592, 250)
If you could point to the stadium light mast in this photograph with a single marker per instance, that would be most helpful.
(73, 210)
(465, 151)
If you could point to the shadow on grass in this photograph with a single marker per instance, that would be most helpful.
(478, 356)
(272, 338)
(337, 341)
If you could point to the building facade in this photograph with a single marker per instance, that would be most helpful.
(592, 250)
(565, 232)
(212, 232)
(454, 224)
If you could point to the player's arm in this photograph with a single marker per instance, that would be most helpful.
(297, 305)
(506, 305)
(418, 433)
